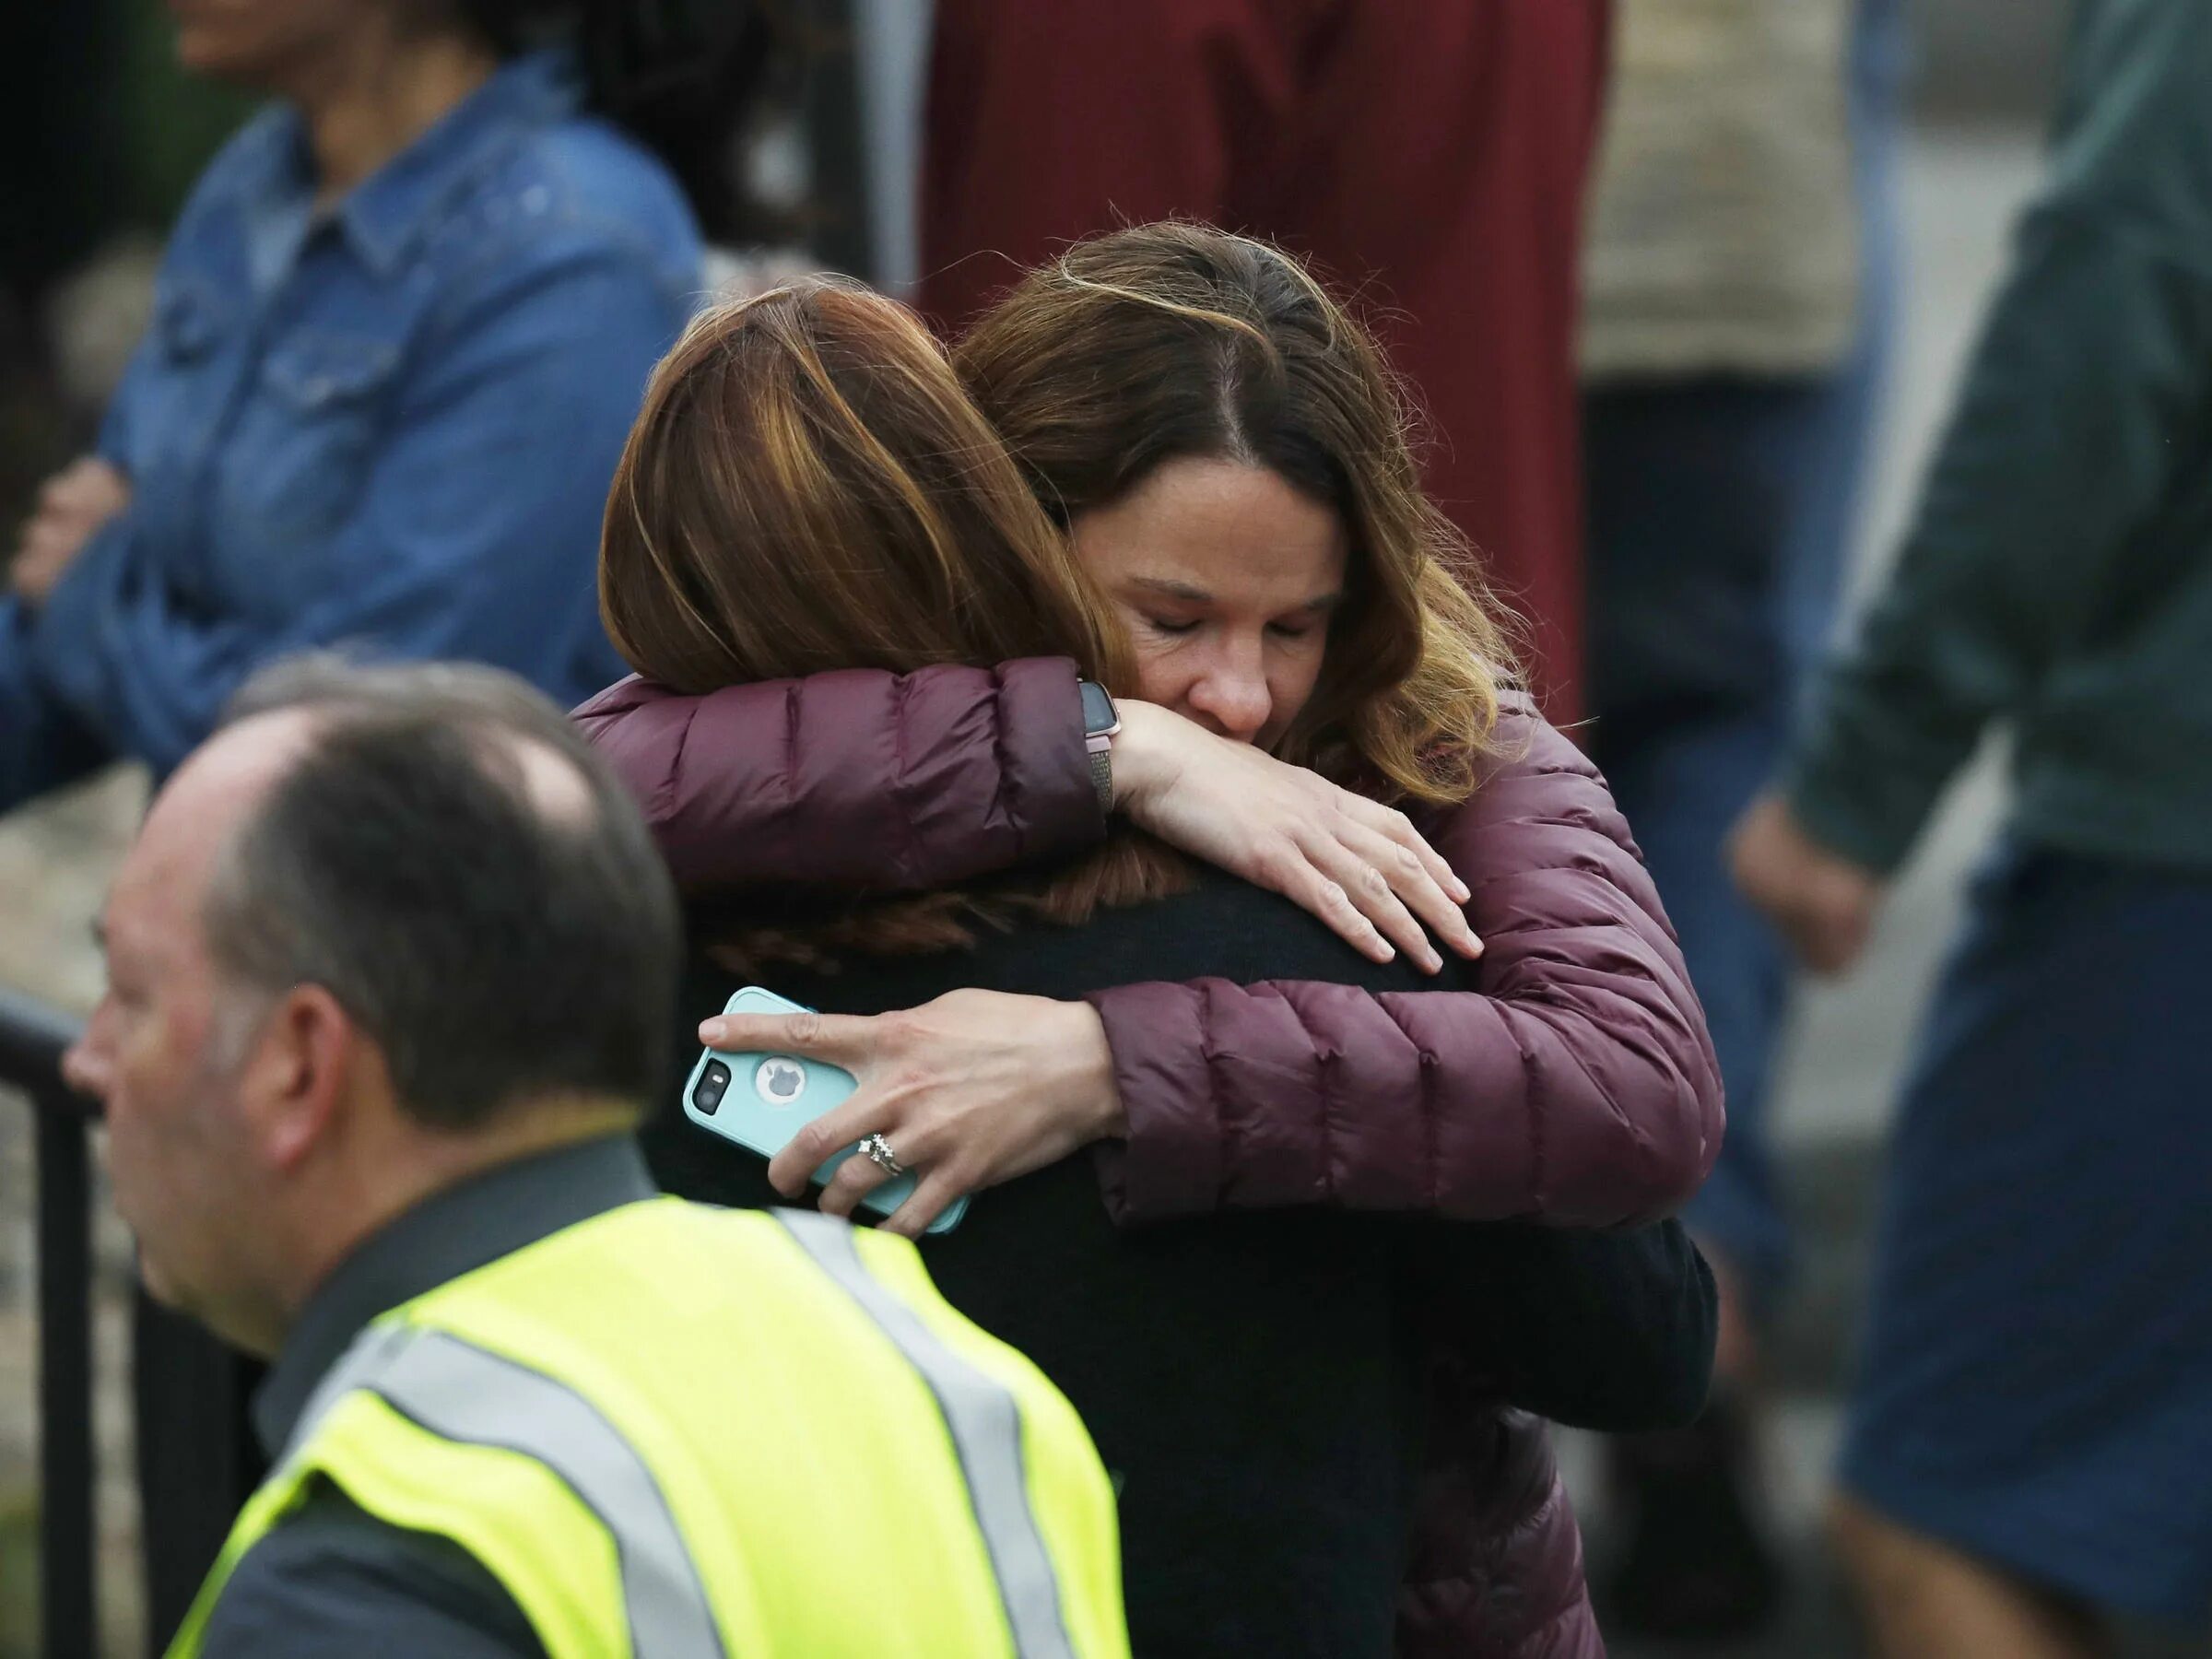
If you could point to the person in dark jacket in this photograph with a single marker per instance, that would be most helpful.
(1462, 1565)
(2027, 1444)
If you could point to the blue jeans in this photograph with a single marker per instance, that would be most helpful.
(1695, 490)
(1721, 515)
(1821, 539)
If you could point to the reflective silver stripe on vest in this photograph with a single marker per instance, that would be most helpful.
(986, 1432)
(461, 1392)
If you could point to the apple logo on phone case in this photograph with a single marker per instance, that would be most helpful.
(780, 1080)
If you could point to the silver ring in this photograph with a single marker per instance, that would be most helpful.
(878, 1152)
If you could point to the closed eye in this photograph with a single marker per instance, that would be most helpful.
(1161, 625)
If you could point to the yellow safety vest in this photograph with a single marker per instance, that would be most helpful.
(679, 1433)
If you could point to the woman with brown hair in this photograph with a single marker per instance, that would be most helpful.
(1261, 1510)
(1179, 396)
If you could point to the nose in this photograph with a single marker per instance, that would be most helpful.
(85, 1067)
(1232, 694)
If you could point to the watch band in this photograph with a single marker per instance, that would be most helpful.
(1101, 723)
(1101, 777)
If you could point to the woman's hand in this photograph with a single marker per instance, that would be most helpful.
(971, 1089)
(1360, 866)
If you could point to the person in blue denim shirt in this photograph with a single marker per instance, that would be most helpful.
(399, 334)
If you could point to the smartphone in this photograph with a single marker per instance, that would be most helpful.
(762, 1100)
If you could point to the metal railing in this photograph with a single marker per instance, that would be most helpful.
(31, 1040)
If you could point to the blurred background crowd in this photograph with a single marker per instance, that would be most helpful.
(1686, 290)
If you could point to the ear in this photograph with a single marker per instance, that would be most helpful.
(296, 1079)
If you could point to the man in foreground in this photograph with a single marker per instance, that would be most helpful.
(390, 968)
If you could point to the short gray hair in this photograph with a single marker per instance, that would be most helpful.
(497, 946)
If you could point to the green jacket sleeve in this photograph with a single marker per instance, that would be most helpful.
(2096, 352)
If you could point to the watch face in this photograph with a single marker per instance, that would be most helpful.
(1098, 713)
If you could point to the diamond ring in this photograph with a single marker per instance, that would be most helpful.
(878, 1151)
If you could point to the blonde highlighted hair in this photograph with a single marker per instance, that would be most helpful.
(1176, 340)
(808, 486)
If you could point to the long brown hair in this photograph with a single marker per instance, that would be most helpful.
(808, 487)
(1177, 340)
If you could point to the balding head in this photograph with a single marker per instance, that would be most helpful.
(441, 851)
(384, 925)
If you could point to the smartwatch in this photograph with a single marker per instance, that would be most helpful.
(1101, 720)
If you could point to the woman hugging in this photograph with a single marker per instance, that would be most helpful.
(1099, 727)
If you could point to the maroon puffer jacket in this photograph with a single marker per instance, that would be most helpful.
(1577, 1087)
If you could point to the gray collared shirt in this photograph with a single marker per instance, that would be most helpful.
(334, 1581)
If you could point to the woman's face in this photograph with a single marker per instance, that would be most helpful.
(1226, 578)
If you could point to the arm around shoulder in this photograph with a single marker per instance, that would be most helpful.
(1577, 1085)
(857, 779)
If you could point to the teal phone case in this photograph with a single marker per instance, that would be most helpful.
(767, 1098)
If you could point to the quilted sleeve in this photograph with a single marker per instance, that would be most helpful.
(1494, 1561)
(1575, 1086)
(857, 780)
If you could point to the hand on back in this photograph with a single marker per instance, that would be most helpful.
(980, 1087)
(971, 1089)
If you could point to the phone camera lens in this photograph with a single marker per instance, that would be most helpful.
(707, 1097)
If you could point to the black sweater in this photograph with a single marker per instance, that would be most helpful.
(1254, 1381)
